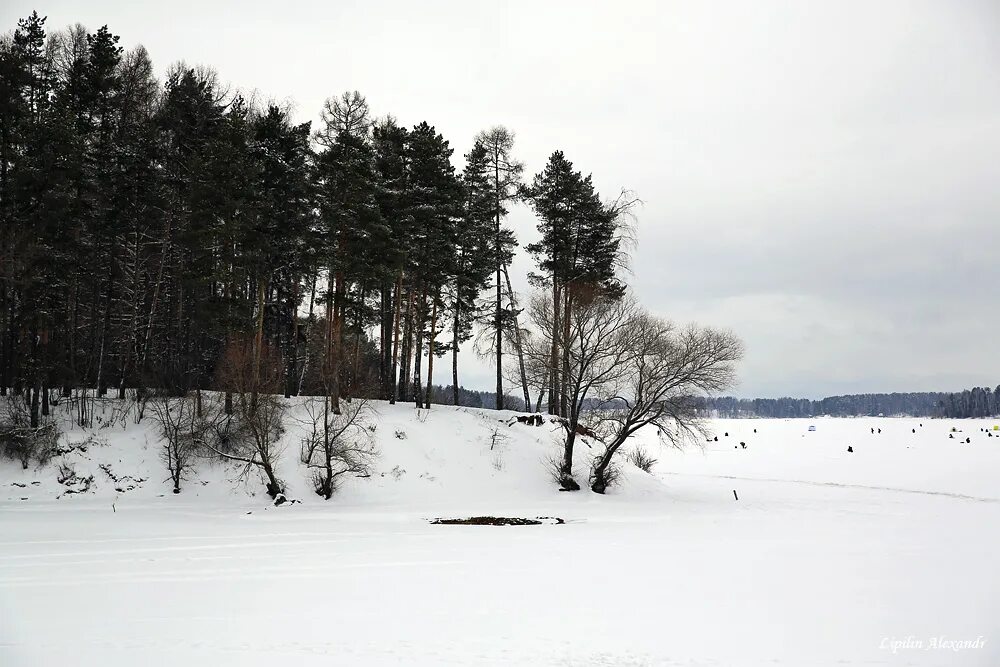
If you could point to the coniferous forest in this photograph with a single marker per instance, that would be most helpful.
(157, 232)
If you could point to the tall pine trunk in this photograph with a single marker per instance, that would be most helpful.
(454, 347)
(292, 344)
(332, 365)
(36, 375)
(395, 339)
(430, 353)
(144, 350)
(498, 323)
(419, 349)
(554, 352)
(258, 343)
(499, 260)
(358, 327)
(407, 348)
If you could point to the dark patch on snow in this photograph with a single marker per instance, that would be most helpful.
(498, 521)
(73, 482)
(123, 483)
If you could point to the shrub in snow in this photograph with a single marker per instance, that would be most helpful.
(182, 431)
(337, 444)
(73, 482)
(603, 476)
(252, 373)
(557, 471)
(640, 459)
(19, 441)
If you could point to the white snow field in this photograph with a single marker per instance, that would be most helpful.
(889, 555)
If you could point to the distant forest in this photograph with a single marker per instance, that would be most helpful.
(975, 402)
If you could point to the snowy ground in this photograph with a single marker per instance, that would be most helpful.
(827, 558)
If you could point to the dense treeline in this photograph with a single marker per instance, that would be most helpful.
(153, 229)
(977, 402)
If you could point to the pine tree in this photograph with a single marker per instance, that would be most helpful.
(390, 148)
(282, 217)
(42, 189)
(474, 254)
(351, 219)
(579, 251)
(433, 203)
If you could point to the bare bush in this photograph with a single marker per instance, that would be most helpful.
(252, 372)
(556, 468)
(73, 482)
(337, 444)
(183, 433)
(22, 442)
(226, 434)
(640, 459)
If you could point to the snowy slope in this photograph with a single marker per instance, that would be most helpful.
(427, 458)
(827, 558)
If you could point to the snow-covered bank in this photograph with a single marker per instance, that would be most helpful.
(827, 558)
(426, 458)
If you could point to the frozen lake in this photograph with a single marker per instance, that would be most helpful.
(883, 556)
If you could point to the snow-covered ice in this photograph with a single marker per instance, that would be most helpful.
(827, 558)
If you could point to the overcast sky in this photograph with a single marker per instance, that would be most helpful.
(822, 178)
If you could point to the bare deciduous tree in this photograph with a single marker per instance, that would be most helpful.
(182, 432)
(19, 439)
(337, 444)
(347, 113)
(597, 346)
(660, 385)
(615, 354)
